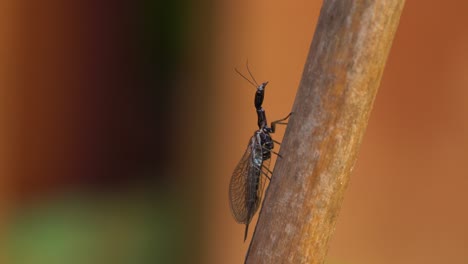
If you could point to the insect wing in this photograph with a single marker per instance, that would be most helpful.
(255, 179)
(246, 186)
(238, 187)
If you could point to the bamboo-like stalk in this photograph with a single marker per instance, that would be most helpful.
(339, 83)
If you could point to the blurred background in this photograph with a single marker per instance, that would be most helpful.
(121, 123)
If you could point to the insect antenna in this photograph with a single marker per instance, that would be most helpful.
(238, 72)
(251, 75)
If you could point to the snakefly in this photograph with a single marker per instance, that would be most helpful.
(246, 185)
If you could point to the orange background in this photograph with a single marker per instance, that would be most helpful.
(83, 109)
(406, 202)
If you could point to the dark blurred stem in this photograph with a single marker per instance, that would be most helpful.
(339, 83)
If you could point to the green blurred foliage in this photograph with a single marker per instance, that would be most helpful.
(82, 230)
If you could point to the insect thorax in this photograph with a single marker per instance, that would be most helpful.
(266, 142)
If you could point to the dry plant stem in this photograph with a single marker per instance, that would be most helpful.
(339, 83)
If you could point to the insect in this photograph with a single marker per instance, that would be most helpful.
(246, 185)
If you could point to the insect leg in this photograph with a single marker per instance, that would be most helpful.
(277, 154)
(279, 122)
(246, 231)
(277, 142)
(266, 175)
(267, 169)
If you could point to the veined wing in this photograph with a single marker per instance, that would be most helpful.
(246, 186)
(238, 187)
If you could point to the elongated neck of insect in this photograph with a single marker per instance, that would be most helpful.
(262, 120)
